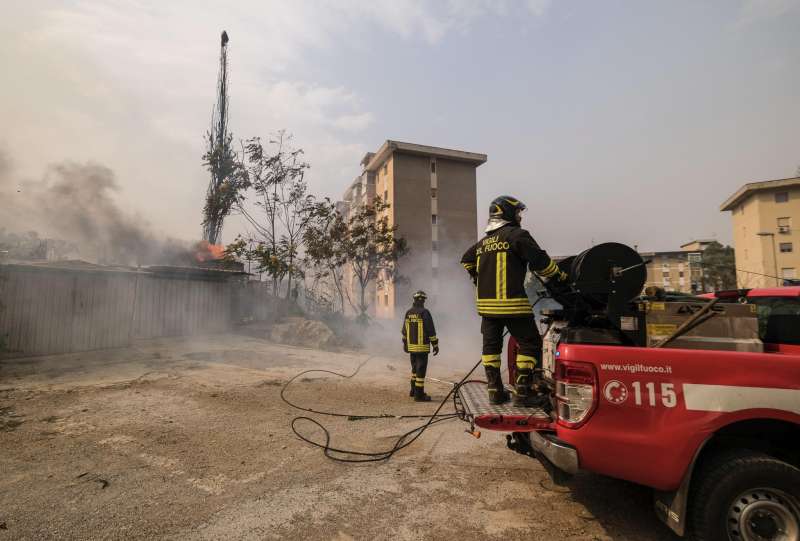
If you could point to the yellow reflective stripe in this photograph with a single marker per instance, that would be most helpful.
(500, 275)
(468, 266)
(549, 270)
(408, 333)
(504, 312)
(419, 333)
(503, 302)
(434, 339)
(492, 359)
(526, 361)
(504, 307)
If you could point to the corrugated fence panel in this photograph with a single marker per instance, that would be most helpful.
(45, 310)
(175, 307)
(48, 311)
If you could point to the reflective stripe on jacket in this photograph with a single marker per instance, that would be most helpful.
(418, 330)
(498, 264)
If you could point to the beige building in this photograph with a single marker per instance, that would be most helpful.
(432, 193)
(765, 231)
(678, 270)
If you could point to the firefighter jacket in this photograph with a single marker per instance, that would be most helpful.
(498, 264)
(418, 330)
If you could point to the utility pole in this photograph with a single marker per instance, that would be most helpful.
(219, 153)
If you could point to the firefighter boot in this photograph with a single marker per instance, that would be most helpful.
(420, 396)
(497, 393)
(413, 381)
(524, 394)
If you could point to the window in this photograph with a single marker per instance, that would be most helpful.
(434, 245)
(386, 300)
(786, 247)
(433, 219)
(385, 196)
(433, 167)
(787, 272)
(386, 169)
(665, 274)
(433, 193)
(680, 274)
(781, 197)
(695, 258)
(785, 225)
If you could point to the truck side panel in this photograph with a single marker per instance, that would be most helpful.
(657, 406)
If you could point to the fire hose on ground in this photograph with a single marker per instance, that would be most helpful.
(349, 455)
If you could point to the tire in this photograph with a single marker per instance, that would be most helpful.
(747, 496)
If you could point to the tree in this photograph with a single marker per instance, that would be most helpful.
(371, 249)
(325, 239)
(285, 207)
(719, 266)
(225, 188)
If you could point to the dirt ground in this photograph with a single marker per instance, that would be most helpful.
(188, 439)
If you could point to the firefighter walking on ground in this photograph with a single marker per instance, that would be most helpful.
(497, 265)
(419, 336)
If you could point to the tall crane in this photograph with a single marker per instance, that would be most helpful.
(220, 159)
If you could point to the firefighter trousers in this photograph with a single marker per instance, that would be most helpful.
(419, 366)
(524, 331)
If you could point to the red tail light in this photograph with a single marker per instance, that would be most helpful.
(576, 392)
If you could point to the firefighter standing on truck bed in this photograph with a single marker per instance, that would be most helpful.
(497, 265)
(419, 335)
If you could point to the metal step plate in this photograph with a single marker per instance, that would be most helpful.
(472, 402)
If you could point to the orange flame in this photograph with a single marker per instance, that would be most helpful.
(204, 251)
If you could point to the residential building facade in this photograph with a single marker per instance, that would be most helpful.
(766, 233)
(678, 270)
(432, 196)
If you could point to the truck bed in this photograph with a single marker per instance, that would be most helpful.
(472, 405)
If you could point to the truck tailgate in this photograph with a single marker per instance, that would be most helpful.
(472, 404)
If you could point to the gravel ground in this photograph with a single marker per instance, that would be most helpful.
(188, 439)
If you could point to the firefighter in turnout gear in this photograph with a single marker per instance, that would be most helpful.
(419, 336)
(497, 265)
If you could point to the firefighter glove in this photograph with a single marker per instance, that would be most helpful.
(435, 350)
(405, 346)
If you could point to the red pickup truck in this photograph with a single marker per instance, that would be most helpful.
(716, 434)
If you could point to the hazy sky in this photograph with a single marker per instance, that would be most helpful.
(627, 121)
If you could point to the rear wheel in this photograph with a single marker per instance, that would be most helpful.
(747, 496)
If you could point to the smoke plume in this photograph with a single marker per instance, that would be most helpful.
(77, 203)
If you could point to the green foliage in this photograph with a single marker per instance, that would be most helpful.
(372, 249)
(283, 208)
(325, 239)
(228, 181)
(719, 266)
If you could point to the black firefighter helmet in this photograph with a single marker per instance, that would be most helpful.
(420, 296)
(505, 208)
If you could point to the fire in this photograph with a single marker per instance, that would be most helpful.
(204, 251)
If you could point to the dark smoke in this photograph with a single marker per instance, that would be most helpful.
(76, 203)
